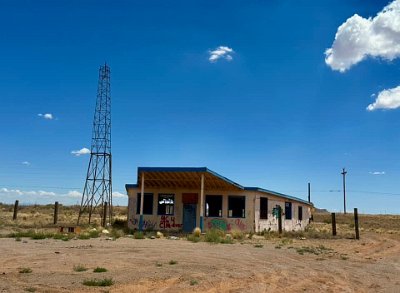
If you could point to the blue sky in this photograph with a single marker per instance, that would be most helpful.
(277, 115)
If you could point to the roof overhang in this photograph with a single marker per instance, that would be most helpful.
(184, 177)
(190, 178)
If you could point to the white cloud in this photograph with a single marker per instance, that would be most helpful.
(118, 194)
(221, 52)
(377, 173)
(26, 163)
(387, 99)
(47, 116)
(82, 151)
(17, 192)
(359, 38)
(74, 193)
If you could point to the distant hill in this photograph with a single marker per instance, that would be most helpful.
(321, 211)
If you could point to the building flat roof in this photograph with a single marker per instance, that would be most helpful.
(190, 177)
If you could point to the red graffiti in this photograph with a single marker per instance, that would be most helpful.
(168, 222)
(239, 223)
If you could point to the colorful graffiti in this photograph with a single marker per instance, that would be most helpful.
(219, 224)
(168, 222)
(222, 224)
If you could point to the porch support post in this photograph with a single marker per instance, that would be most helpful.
(202, 202)
(141, 204)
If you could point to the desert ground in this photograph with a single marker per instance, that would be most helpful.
(312, 261)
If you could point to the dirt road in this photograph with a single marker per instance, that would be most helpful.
(341, 265)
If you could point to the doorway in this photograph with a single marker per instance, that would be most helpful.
(189, 217)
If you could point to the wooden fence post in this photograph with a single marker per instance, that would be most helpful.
(356, 223)
(15, 210)
(333, 224)
(280, 219)
(104, 214)
(55, 212)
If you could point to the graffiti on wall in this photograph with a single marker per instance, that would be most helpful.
(240, 225)
(219, 224)
(168, 222)
(147, 224)
(223, 225)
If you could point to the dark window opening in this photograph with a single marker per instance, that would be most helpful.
(288, 210)
(213, 205)
(300, 213)
(263, 208)
(147, 204)
(236, 206)
(166, 204)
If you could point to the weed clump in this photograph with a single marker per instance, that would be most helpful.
(80, 268)
(217, 236)
(99, 283)
(138, 235)
(193, 282)
(25, 270)
(99, 270)
(239, 235)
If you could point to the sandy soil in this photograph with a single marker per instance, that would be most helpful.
(371, 264)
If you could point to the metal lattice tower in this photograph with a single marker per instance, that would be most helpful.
(97, 193)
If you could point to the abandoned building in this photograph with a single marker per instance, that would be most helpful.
(168, 198)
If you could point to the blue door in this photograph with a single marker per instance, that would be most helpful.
(189, 217)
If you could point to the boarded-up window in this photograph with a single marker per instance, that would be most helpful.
(300, 213)
(166, 204)
(213, 206)
(147, 204)
(236, 206)
(263, 208)
(288, 210)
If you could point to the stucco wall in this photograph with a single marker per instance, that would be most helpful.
(174, 222)
(271, 224)
(251, 222)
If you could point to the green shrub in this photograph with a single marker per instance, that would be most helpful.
(193, 282)
(94, 234)
(98, 283)
(193, 238)
(40, 236)
(226, 240)
(172, 262)
(84, 236)
(138, 235)
(120, 223)
(214, 235)
(237, 235)
(115, 233)
(80, 268)
(25, 270)
(99, 270)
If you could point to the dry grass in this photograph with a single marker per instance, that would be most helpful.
(36, 222)
(376, 223)
(41, 217)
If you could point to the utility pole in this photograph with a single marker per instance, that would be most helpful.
(309, 192)
(344, 172)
